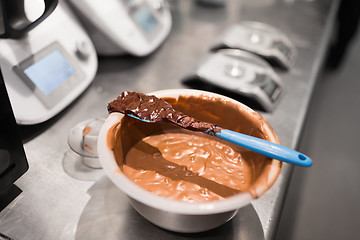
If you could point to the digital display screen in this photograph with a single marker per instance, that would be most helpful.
(283, 49)
(270, 89)
(50, 72)
(146, 20)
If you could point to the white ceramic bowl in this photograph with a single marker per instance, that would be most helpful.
(172, 214)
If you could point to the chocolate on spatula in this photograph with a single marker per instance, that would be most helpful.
(153, 109)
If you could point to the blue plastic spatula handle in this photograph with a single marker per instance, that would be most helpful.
(265, 147)
(259, 145)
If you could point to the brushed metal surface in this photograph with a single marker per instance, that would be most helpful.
(63, 199)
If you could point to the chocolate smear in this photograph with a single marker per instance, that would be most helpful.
(153, 109)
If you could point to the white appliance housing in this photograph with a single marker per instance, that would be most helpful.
(117, 27)
(49, 67)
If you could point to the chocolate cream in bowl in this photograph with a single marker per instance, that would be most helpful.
(191, 166)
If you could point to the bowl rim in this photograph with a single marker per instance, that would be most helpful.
(136, 192)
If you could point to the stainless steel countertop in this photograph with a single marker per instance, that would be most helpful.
(62, 199)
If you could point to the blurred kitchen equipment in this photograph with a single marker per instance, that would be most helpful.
(261, 39)
(13, 161)
(241, 73)
(13, 20)
(137, 27)
(212, 3)
(49, 67)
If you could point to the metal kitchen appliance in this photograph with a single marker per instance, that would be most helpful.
(13, 161)
(241, 73)
(116, 27)
(47, 68)
(261, 39)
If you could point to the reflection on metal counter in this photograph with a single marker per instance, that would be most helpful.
(242, 73)
(261, 39)
(49, 67)
(126, 26)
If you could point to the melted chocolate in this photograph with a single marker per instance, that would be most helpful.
(154, 109)
(192, 166)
